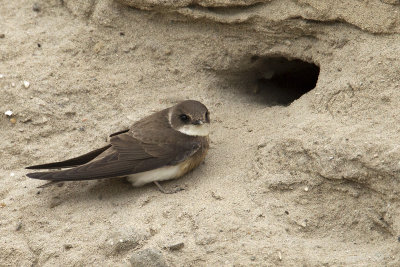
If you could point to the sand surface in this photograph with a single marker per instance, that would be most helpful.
(313, 183)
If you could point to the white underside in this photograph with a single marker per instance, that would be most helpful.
(195, 130)
(160, 174)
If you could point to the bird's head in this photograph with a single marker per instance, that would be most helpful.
(190, 117)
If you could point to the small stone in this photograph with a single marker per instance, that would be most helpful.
(13, 84)
(216, 196)
(13, 120)
(26, 84)
(2, 35)
(36, 7)
(8, 113)
(19, 226)
(124, 240)
(149, 257)
(153, 231)
(306, 189)
(176, 246)
(12, 174)
(67, 246)
(168, 52)
(98, 47)
(261, 145)
(1, 76)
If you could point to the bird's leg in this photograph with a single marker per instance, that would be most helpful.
(167, 191)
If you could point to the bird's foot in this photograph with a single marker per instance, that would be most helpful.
(175, 190)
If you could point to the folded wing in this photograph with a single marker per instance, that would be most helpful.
(125, 155)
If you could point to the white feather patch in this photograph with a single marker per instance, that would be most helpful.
(195, 130)
(160, 174)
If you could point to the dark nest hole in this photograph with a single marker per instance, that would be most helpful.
(279, 80)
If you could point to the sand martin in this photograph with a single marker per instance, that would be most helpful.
(162, 146)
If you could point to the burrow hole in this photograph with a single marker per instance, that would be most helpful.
(280, 81)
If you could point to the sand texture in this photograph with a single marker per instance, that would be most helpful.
(313, 183)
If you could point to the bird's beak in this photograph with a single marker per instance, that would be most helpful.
(198, 122)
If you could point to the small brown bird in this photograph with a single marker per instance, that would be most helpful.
(162, 146)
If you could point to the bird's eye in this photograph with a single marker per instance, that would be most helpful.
(184, 118)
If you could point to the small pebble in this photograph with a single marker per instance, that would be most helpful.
(26, 84)
(177, 246)
(13, 120)
(216, 196)
(13, 84)
(2, 35)
(252, 258)
(36, 7)
(8, 113)
(12, 174)
(19, 226)
(67, 246)
(306, 189)
(1, 76)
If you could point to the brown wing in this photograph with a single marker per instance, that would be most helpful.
(75, 161)
(127, 155)
(71, 162)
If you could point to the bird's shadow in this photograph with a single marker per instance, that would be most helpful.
(115, 189)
